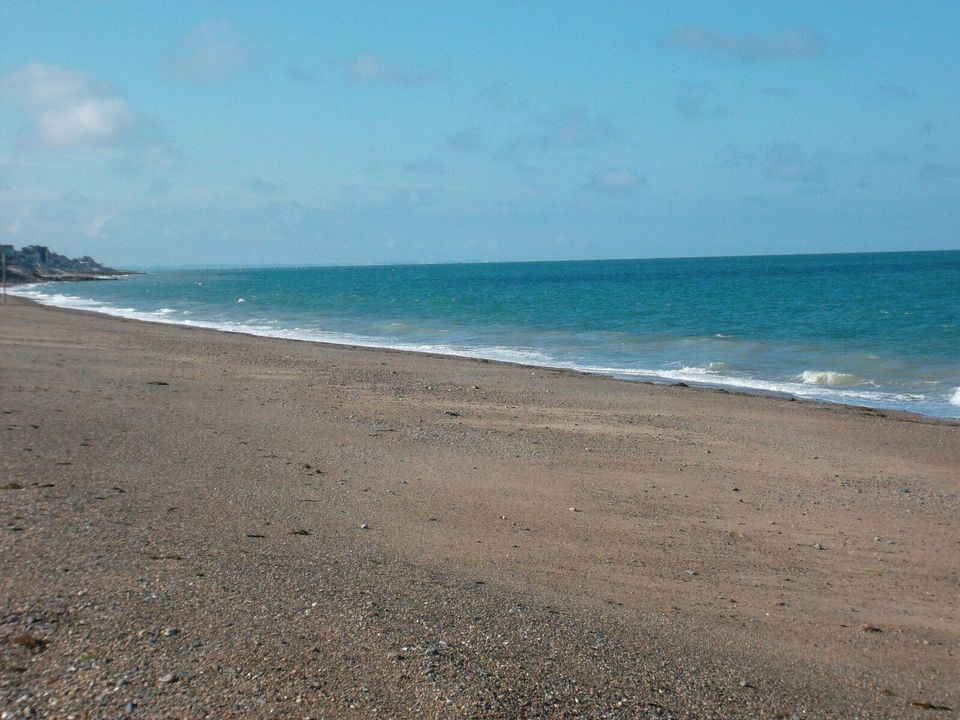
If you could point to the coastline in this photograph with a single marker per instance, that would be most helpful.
(642, 544)
(755, 387)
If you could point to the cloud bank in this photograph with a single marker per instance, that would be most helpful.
(795, 42)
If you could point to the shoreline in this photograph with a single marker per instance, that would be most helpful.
(415, 535)
(642, 379)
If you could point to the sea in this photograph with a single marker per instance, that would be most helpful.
(880, 330)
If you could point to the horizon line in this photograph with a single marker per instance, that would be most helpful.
(291, 266)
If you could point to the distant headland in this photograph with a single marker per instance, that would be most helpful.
(37, 263)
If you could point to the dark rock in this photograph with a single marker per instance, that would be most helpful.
(36, 263)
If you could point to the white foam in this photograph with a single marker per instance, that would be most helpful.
(711, 378)
(828, 378)
(955, 398)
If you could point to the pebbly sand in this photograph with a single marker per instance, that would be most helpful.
(199, 524)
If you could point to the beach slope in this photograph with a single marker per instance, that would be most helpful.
(203, 524)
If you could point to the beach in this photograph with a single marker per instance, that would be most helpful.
(206, 524)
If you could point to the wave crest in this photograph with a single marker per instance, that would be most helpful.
(828, 378)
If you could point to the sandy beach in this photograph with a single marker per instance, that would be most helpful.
(201, 524)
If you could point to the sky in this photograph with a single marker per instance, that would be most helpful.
(318, 133)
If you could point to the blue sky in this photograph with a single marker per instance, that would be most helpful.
(328, 133)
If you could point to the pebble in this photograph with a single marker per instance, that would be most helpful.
(167, 679)
(170, 631)
(364, 526)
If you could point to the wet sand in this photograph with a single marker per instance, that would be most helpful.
(203, 524)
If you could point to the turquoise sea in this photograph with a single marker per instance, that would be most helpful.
(880, 329)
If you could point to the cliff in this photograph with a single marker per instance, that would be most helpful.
(36, 263)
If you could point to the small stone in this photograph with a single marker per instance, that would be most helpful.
(170, 631)
(573, 509)
(364, 526)
(167, 679)
(130, 707)
(817, 546)
(431, 651)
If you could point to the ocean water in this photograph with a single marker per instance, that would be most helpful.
(880, 329)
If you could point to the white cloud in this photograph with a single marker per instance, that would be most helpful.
(560, 129)
(789, 163)
(425, 166)
(95, 226)
(301, 75)
(66, 108)
(895, 92)
(568, 126)
(368, 67)
(731, 155)
(939, 172)
(615, 180)
(213, 52)
(795, 42)
(698, 100)
(468, 140)
(500, 96)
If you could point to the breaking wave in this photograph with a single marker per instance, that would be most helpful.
(829, 378)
